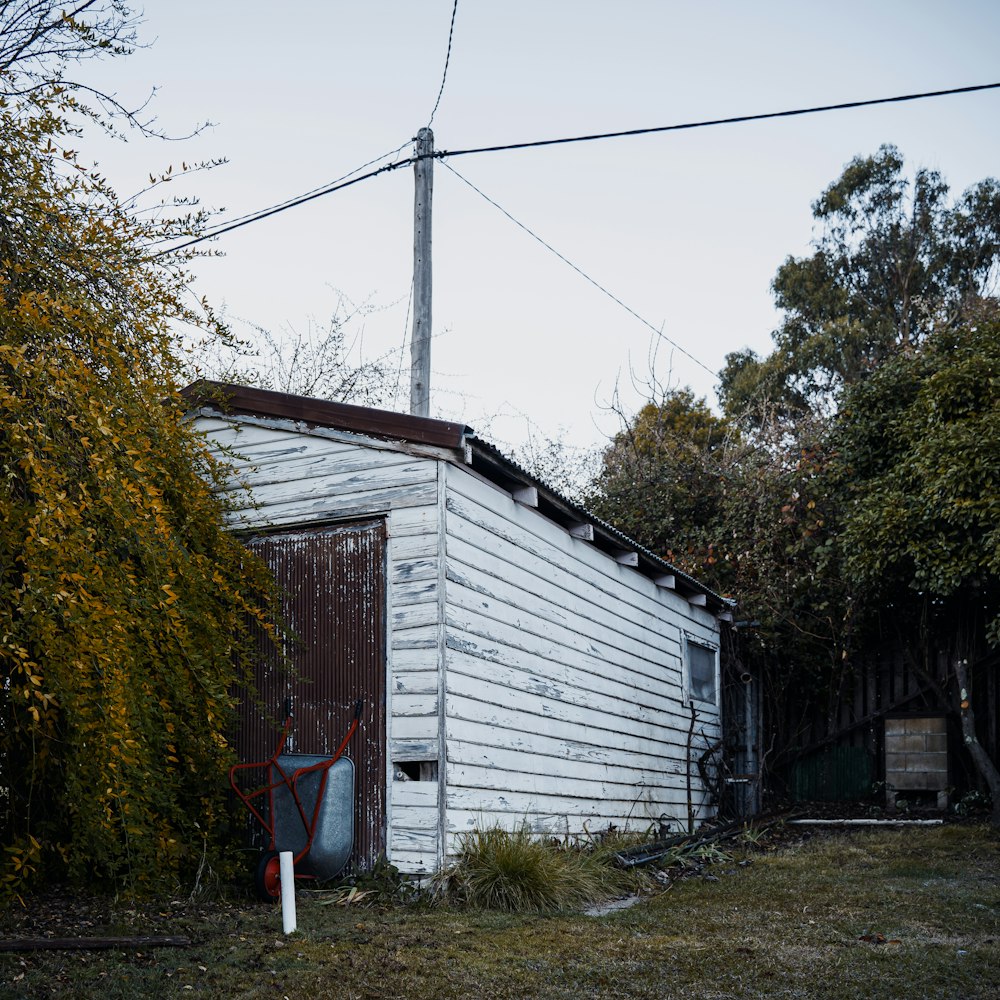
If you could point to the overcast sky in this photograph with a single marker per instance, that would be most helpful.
(686, 228)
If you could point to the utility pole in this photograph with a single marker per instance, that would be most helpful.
(420, 342)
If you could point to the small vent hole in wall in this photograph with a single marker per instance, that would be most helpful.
(415, 770)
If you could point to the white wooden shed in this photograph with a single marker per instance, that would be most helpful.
(521, 660)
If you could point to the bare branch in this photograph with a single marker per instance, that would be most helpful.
(39, 37)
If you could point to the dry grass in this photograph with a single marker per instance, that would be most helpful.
(786, 926)
(514, 871)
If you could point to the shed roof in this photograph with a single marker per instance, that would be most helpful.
(470, 450)
(231, 398)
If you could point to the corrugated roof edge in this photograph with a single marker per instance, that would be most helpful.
(626, 543)
(231, 398)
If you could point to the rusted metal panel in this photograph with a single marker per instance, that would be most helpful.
(333, 582)
(324, 413)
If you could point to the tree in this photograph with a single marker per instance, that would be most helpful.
(900, 276)
(124, 602)
(43, 44)
(918, 454)
(661, 481)
(894, 261)
(324, 361)
(38, 38)
(566, 468)
(864, 475)
(751, 518)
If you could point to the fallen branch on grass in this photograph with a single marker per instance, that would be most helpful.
(644, 853)
(92, 943)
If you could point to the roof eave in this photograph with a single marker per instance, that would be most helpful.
(230, 398)
(607, 538)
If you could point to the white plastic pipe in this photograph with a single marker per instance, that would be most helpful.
(287, 873)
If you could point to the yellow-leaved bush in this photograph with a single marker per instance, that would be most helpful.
(124, 602)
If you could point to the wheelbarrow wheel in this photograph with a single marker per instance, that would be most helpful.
(267, 880)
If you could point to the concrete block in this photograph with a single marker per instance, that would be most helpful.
(906, 743)
(936, 724)
(924, 782)
(930, 762)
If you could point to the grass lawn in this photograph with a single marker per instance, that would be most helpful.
(790, 924)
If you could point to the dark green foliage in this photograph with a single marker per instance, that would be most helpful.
(661, 483)
(860, 498)
(919, 456)
(893, 261)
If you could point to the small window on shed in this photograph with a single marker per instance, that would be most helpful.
(702, 672)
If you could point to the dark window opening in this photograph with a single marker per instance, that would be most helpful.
(415, 770)
(701, 673)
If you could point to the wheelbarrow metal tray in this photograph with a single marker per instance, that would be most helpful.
(333, 837)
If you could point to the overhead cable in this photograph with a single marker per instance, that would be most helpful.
(444, 154)
(344, 181)
(614, 298)
(447, 59)
(322, 188)
(736, 120)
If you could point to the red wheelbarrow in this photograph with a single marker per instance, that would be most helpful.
(309, 811)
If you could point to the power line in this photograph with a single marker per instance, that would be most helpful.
(402, 347)
(443, 154)
(337, 185)
(846, 105)
(581, 272)
(321, 188)
(447, 59)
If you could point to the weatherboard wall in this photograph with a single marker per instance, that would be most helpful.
(564, 681)
(287, 476)
(530, 676)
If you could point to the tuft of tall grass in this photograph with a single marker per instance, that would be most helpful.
(513, 870)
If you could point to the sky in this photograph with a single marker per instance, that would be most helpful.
(685, 228)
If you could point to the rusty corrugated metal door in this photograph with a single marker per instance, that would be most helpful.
(333, 582)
